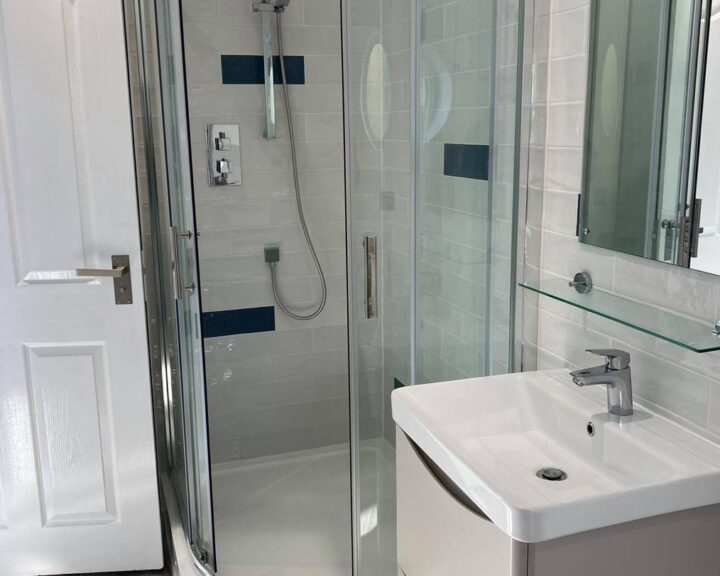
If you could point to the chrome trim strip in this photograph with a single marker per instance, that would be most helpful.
(415, 41)
(491, 188)
(517, 163)
(354, 396)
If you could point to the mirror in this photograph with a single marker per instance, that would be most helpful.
(651, 179)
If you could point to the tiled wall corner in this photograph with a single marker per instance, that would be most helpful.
(682, 384)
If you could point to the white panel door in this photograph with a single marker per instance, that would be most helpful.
(78, 488)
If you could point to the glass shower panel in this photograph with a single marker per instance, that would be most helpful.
(504, 186)
(455, 136)
(182, 247)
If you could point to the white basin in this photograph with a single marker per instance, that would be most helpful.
(491, 435)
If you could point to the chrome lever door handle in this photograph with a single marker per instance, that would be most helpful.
(115, 272)
(120, 273)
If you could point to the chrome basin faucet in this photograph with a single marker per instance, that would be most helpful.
(615, 374)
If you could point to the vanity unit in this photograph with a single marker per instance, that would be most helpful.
(529, 475)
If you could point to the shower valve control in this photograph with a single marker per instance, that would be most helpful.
(223, 166)
(223, 155)
(222, 142)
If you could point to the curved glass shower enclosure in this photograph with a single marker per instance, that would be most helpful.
(383, 218)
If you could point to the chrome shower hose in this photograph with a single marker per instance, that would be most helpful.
(296, 179)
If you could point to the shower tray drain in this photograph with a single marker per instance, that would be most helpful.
(551, 474)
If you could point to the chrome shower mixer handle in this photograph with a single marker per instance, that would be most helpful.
(270, 5)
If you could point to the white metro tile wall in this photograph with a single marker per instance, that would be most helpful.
(286, 390)
(682, 384)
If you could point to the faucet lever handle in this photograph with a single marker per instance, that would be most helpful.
(616, 359)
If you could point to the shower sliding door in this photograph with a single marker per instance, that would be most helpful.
(378, 43)
(277, 386)
(159, 33)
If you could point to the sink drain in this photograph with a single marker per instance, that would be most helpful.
(551, 474)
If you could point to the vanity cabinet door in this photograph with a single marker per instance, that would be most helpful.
(438, 533)
(685, 543)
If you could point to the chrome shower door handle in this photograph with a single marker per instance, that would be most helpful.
(180, 288)
(370, 244)
(177, 292)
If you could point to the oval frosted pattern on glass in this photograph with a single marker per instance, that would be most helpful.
(436, 93)
(374, 98)
(609, 96)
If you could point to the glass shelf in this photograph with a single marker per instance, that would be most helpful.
(689, 333)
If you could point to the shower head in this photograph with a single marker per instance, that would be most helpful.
(270, 5)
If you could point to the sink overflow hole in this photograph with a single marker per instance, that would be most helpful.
(551, 474)
(590, 429)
